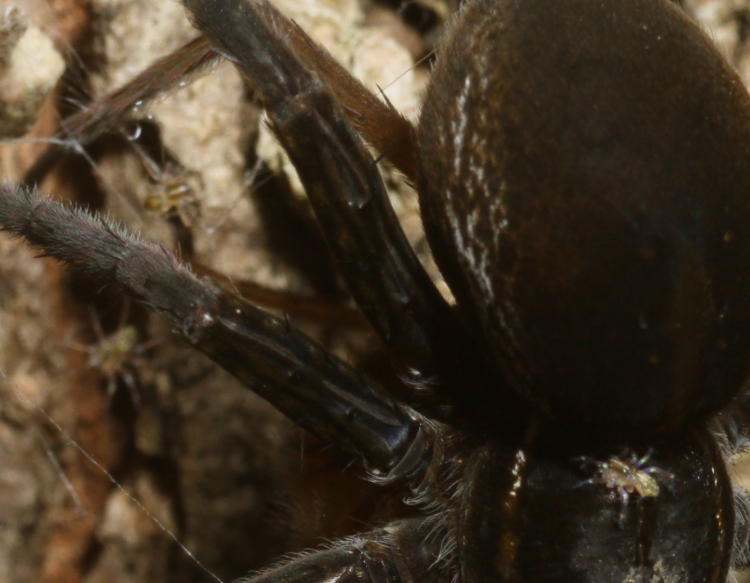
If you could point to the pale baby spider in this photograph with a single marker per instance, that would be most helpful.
(627, 474)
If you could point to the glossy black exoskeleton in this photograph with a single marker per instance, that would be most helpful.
(583, 173)
(530, 514)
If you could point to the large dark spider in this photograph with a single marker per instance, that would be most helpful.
(581, 166)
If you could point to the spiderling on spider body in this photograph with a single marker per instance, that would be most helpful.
(627, 474)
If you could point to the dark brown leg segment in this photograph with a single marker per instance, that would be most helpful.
(343, 184)
(397, 553)
(82, 128)
(316, 390)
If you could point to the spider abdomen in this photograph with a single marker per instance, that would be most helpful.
(584, 180)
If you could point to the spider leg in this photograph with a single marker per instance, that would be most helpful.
(397, 553)
(741, 546)
(624, 504)
(377, 121)
(589, 482)
(585, 460)
(382, 125)
(344, 186)
(312, 387)
(82, 128)
(128, 378)
(640, 462)
(663, 475)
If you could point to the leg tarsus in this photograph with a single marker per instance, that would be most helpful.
(397, 553)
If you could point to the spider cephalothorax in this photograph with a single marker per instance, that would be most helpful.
(583, 189)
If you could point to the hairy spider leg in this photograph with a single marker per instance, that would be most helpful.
(344, 186)
(392, 554)
(413, 319)
(377, 121)
(315, 389)
(82, 128)
(380, 123)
